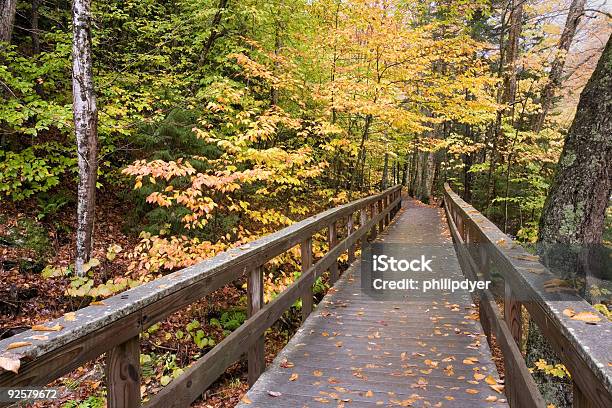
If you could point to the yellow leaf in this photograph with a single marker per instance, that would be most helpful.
(490, 380)
(246, 399)
(471, 391)
(491, 398)
(40, 327)
(293, 377)
(587, 317)
(317, 373)
(18, 344)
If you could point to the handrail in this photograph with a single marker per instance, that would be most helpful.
(114, 326)
(586, 350)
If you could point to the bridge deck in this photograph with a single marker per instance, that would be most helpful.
(353, 351)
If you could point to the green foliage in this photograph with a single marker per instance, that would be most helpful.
(232, 319)
(93, 401)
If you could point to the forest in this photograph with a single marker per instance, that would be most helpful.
(140, 137)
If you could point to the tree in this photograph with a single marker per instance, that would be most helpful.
(575, 208)
(555, 76)
(7, 17)
(86, 129)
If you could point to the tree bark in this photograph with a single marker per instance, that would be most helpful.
(385, 175)
(574, 210)
(7, 18)
(512, 52)
(34, 25)
(86, 129)
(555, 76)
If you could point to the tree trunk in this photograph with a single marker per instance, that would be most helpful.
(385, 175)
(512, 52)
(86, 124)
(405, 173)
(34, 25)
(7, 18)
(572, 221)
(574, 210)
(554, 77)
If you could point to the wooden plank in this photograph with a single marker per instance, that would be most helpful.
(513, 315)
(123, 374)
(332, 240)
(256, 354)
(579, 399)
(349, 230)
(381, 223)
(373, 208)
(306, 256)
(363, 219)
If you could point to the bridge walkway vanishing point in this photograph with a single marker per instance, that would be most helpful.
(425, 350)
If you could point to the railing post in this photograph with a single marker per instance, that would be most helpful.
(373, 207)
(255, 300)
(306, 253)
(388, 214)
(512, 314)
(363, 220)
(333, 241)
(381, 223)
(350, 227)
(123, 374)
(579, 400)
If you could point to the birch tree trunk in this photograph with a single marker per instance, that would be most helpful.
(7, 18)
(86, 128)
(555, 76)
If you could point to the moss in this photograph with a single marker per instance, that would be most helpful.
(568, 159)
(570, 219)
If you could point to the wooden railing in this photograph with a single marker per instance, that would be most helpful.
(114, 326)
(585, 350)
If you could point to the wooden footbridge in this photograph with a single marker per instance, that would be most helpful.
(425, 350)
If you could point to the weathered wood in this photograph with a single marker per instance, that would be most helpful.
(513, 315)
(579, 399)
(363, 219)
(584, 349)
(332, 239)
(349, 230)
(123, 374)
(521, 389)
(255, 301)
(306, 256)
(381, 223)
(373, 233)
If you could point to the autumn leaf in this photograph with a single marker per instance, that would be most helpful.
(317, 373)
(293, 377)
(246, 399)
(69, 317)
(491, 398)
(490, 380)
(10, 364)
(274, 393)
(18, 344)
(56, 327)
(471, 391)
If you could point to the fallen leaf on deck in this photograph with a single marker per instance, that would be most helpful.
(10, 364)
(490, 380)
(100, 303)
(69, 317)
(40, 327)
(274, 393)
(471, 391)
(491, 398)
(317, 373)
(498, 388)
(478, 376)
(18, 344)
(246, 400)
(293, 377)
